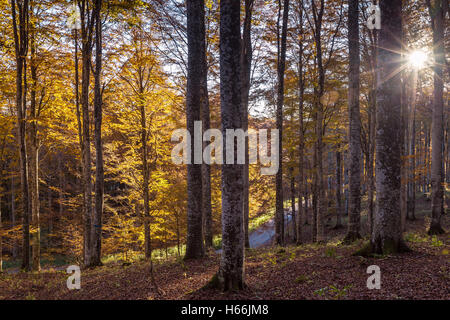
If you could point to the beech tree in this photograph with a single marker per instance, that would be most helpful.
(246, 65)
(196, 70)
(281, 43)
(355, 124)
(21, 42)
(387, 234)
(437, 12)
(231, 270)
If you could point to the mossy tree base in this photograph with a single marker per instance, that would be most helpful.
(380, 247)
(225, 284)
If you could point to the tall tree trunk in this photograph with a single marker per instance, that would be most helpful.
(21, 51)
(437, 13)
(387, 234)
(404, 152)
(372, 127)
(354, 215)
(279, 214)
(196, 49)
(301, 147)
(231, 270)
(96, 228)
(206, 168)
(246, 61)
(87, 25)
(319, 90)
(34, 157)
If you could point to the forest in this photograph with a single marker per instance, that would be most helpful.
(224, 149)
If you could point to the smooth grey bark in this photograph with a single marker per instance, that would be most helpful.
(21, 31)
(387, 234)
(354, 214)
(206, 168)
(231, 270)
(96, 228)
(246, 62)
(279, 214)
(196, 45)
(437, 14)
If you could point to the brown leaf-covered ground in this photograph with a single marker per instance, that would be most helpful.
(309, 271)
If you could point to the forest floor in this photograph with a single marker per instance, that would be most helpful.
(308, 271)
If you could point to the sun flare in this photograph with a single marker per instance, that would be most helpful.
(418, 59)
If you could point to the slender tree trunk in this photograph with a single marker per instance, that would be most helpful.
(338, 188)
(196, 50)
(87, 24)
(412, 155)
(301, 147)
(404, 152)
(387, 234)
(96, 228)
(34, 159)
(320, 186)
(246, 61)
(231, 270)
(437, 13)
(372, 126)
(21, 52)
(13, 216)
(314, 196)
(354, 215)
(206, 168)
(293, 215)
(279, 215)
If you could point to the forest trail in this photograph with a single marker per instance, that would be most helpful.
(264, 235)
